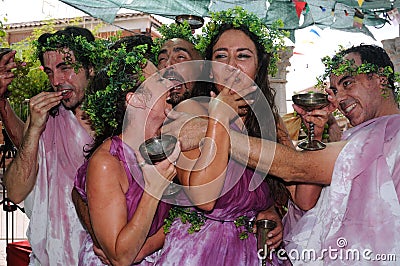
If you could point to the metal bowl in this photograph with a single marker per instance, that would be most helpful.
(158, 148)
(194, 21)
(311, 101)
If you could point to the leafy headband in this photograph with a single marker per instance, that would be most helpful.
(171, 31)
(338, 65)
(94, 53)
(124, 73)
(271, 38)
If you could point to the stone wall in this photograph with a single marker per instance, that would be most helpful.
(392, 47)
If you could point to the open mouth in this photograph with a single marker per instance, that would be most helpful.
(66, 93)
(176, 79)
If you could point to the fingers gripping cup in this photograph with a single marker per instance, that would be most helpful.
(158, 148)
(263, 228)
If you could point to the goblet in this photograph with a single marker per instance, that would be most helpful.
(4, 51)
(157, 149)
(309, 102)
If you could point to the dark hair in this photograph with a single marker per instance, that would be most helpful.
(102, 80)
(375, 55)
(67, 32)
(131, 41)
(255, 126)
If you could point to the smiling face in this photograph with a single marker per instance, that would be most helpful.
(63, 77)
(172, 53)
(360, 97)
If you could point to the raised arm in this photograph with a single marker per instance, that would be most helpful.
(289, 164)
(20, 176)
(11, 122)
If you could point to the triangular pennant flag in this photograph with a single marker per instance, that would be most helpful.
(360, 2)
(300, 7)
(307, 8)
(357, 22)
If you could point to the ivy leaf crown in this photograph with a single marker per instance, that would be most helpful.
(171, 31)
(124, 73)
(338, 65)
(87, 53)
(271, 37)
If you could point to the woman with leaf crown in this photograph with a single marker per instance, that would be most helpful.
(228, 195)
(123, 192)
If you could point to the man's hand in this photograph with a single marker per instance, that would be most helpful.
(275, 236)
(40, 105)
(100, 253)
(189, 129)
(6, 76)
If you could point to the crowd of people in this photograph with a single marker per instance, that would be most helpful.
(92, 199)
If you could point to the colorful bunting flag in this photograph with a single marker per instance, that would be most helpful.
(360, 2)
(300, 6)
(358, 19)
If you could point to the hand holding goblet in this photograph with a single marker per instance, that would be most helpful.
(309, 102)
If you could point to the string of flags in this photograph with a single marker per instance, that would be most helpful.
(302, 8)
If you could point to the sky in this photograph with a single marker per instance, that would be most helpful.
(311, 44)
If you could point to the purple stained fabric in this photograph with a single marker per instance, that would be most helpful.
(358, 215)
(135, 191)
(218, 243)
(55, 232)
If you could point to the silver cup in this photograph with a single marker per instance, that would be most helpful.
(264, 226)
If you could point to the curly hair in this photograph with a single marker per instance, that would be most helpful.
(375, 55)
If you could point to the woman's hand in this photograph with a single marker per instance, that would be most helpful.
(158, 177)
(226, 104)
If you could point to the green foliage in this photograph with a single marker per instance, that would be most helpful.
(338, 66)
(243, 222)
(29, 78)
(196, 219)
(124, 72)
(272, 38)
(91, 53)
(171, 31)
(3, 33)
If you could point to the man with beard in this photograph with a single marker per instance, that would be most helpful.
(173, 52)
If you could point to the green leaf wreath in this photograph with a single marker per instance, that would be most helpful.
(171, 31)
(272, 37)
